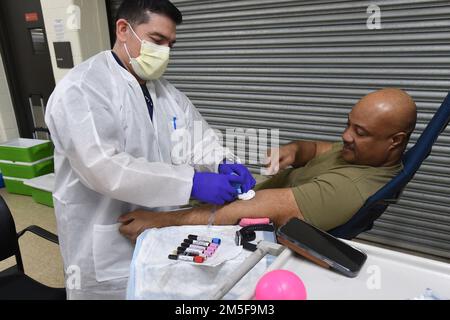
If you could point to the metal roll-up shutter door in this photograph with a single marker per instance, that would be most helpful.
(111, 7)
(300, 66)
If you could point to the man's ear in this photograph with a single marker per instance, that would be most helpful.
(121, 30)
(399, 140)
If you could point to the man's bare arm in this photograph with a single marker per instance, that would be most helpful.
(296, 154)
(277, 204)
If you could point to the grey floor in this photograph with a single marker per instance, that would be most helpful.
(42, 259)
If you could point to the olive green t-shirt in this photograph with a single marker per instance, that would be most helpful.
(329, 190)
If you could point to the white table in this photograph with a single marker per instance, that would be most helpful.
(386, 274)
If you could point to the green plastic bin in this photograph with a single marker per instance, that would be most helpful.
(42, 189)
(27, 170)
(17, 186)
(26, 150)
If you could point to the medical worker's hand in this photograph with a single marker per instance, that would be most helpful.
(243, 172)
(215, 188)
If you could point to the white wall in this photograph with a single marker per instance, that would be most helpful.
(86, 29)
(88, 35)
(8, 123)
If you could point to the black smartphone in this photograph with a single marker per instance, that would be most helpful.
(321, 247)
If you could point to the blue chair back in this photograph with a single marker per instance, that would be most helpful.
(412, 160)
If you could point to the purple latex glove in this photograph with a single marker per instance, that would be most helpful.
(214, 188)
(242, 171)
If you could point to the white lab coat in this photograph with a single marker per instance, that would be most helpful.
(110, 159)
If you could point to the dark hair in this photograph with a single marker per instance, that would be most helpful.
(136, 11)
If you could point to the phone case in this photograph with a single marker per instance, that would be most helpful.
(314, 256)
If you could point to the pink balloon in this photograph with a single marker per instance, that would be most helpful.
(280, 285)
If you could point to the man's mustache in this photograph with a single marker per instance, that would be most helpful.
(349, 146)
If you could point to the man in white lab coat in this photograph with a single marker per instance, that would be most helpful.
(112, 120)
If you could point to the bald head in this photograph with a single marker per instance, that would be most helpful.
(379, 128)
(392, 109)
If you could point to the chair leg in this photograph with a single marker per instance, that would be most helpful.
(19, 262)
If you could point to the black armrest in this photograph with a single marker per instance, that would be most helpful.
(47, 235)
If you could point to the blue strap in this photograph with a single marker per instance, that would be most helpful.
(148, 100)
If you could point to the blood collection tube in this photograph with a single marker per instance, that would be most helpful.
(198, 243)
(190, 254)
(189, 250)
(191, 246)
(196, 259)
(198, 238)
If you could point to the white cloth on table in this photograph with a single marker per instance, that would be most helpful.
(154, 277)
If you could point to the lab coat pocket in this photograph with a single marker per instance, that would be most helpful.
(112, 253)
